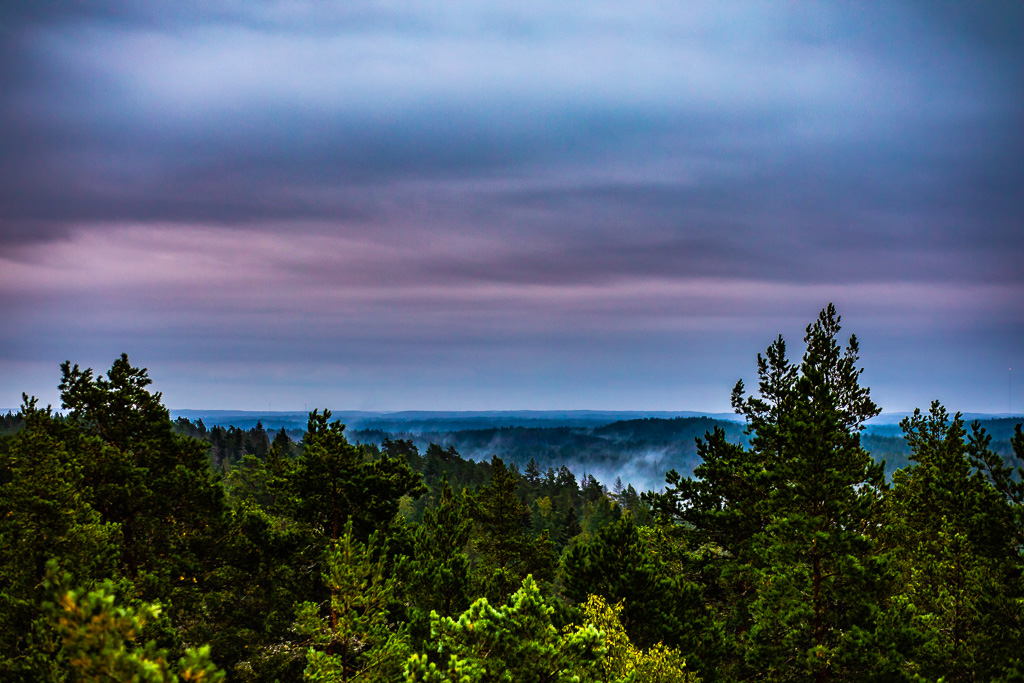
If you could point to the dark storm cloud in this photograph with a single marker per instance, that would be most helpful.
(380, 175)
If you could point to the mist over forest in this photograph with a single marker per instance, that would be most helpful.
(637, 448)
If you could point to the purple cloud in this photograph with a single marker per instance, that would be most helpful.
(395, 206)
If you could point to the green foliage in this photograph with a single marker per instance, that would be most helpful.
(623, 662)
(332, 481)
(153, 483)
(290, 515)
(46, 514)
(440, 568)
(958, 567)
(508, 553)
(660, 604)
(784, 530)
(515, 643)
(818, 577)
(354, 639)
(99, 638)
(784, 557)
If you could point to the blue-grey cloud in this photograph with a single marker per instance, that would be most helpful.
(518, 177)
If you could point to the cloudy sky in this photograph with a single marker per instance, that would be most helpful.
(508, 205)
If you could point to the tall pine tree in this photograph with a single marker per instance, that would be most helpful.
(819, 580)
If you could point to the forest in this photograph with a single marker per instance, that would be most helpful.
(134, 547)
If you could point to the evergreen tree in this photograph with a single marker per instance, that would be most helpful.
(819, 578)
(332, 480)
(97, 639)
(532, 473)
(958, 567)
(354, 639)
(623, 661)
(515, 643)
(440, 572)
(783, 532)
(405, 449)
(281, 446)
(660, 605)
(508, 553)
(154, 484)
(44, 515)
(571, 527)
(299, 511)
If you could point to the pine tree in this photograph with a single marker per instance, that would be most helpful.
(623, 661)
(819, 579)
(282, 538)
(332, 480)
(354, 639)
(153, 483)
(502, 520)
(98, 640)
(783, 532)
(45, 514)
(958, 567)
(514, 643)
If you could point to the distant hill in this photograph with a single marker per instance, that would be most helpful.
(638, 450)
(638, 447)
(433, 421)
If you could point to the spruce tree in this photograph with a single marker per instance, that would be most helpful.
(440, 567)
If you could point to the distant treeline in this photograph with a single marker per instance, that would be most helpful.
(639, 451)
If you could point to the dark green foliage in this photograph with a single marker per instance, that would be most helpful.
(153, 483)
(46, 515)
(332, 481)
(287, 513)
(99, 640)
(605, 448)
(10, 423)
(818, 579)
(719, 512)
(786, 527)
(440, 574)
(441, 463)
(570, 527)
(953, 538)
(660, 605)
(351, 638)
(508, 553)
(403, 448)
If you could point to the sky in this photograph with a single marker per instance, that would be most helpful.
(510, 205)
